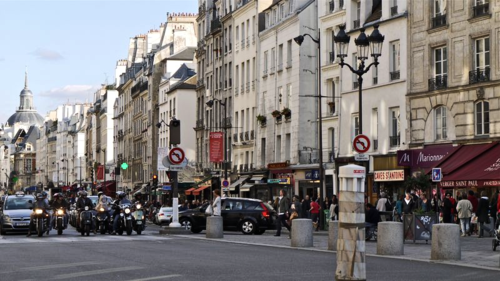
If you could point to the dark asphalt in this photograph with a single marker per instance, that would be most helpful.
(171, 258)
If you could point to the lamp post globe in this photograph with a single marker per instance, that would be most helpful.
(362, 44)
(341, 42)
(376, 41)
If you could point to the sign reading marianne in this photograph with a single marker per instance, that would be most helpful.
(424, 158)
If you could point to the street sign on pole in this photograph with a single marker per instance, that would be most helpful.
(361, 157)
(437, 176)
(361, 143)
(176, 155)
(171, 167)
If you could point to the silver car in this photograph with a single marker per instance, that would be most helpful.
(15, 213)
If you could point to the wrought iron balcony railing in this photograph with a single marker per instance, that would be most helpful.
(394, 141)
(438, 21)
(481, 10)
(394, 75)
(479, 75)
(438, 82)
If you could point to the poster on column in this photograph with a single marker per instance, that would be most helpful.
(162, 153)
(216, 147)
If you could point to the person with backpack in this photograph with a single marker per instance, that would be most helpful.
(384, 205)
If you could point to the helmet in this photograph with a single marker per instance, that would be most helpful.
(121, 195)
(137, 195)
(57, 195)
(84, 193)
(44, 194)
(39, 196)
(100, 193)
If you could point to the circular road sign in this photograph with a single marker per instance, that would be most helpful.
(176, 155)
(225, 183)
(361, 143)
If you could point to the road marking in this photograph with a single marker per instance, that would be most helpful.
(51, 266)
(66, 239)
(96, 272)
(158, 277)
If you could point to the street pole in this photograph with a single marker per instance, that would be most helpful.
(320, 136)
(175, 200)
(80, 162)
(57, 164)
(225, 140)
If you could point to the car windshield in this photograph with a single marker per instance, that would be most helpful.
(168, 209)
(18, 203)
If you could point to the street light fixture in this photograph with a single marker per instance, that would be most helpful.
(299, 39)
(363, 44)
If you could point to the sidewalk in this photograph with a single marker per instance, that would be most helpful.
(475, 252)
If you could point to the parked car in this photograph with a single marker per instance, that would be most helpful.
(15, 214)
(164, 215)
(250, 216)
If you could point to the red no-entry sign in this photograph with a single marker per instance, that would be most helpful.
(176, 155)
(361, 143)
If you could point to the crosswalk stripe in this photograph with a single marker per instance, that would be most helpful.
(70, 239)
(96, 272)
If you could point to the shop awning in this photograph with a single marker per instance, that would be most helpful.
(198, 191)
(246, 187)
(257, 178)
(233, 186)
(189, 191)
(472, 166)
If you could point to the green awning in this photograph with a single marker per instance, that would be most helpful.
(200, 182)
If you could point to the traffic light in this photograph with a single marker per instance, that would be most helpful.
(92, 174)
(175, 131)
(155, 180)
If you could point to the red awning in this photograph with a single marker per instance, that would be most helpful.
(202, 187)
(188, 192)
(473, 165)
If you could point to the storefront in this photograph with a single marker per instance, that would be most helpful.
(388, 177)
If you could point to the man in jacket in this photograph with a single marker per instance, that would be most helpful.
(58, 203)
(82, 202)
(408, 204)
(464, 209)
(306, 205)
(121, 200)
(283, 206)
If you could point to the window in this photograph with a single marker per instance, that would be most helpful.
(355, 82)
(280, 57)
(263, 152)
(331, 98)
(282, 11)
(273, 60)
(394, 127)
(440, 62)
(355, 126)
(275, 16)
(482, 118)
(288, 101)
(482, 53)
(439, 13)
(230, 74)
(289, 53)
(290, 6)
(480, 8)
(268, 20)
(288, 141)
(356, 22)
(242, 77)
(331, 138)
(395, 60)
(236, 84)
(375, 75)
(332, 49)
(280, 96)
(278, 149)
(265, 62)
(440, 124)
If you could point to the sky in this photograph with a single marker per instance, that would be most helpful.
(70, 47)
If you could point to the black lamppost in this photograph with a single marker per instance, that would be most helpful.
(299, 39)
(210, 103)
(363, 44)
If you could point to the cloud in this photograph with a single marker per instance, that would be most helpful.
(2, 59)
(73, 93)
(46, 54)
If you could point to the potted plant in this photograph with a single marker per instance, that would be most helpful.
(286, 111)
(276, 113)
(261, 119)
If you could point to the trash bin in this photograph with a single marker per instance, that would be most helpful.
(327, 219)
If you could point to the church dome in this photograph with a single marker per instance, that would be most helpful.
(32, 118)
(25, 92)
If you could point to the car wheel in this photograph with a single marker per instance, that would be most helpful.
(186, 223)
(248, 227)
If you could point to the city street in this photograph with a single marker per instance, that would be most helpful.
(154, 257)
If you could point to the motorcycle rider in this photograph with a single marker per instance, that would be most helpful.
(82, 202)
(40, 203)
(58, 203)
(120, 200)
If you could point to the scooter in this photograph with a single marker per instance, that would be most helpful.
(102, 221)
(86, 221)
(125, 221)
(138, 221)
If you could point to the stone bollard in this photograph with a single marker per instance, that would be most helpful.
(390, 238)
(333, 234)
(302, 233)
(445, 242)
(214, 227)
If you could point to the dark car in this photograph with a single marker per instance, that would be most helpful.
(250, 216)
(15, 215)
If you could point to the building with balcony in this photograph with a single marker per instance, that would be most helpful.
(453, 96)
(383, 93)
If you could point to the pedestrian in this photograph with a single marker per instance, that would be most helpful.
(494, 208)
(399, 206)
(482, 214)
(447, 207)
(295, 209)
(382, 205)
(334, 208)
(283, 205)
(464, 208)
(453, 209)
(326, 204)
(408, 204)
(436, 203)
(474, 201)
(216, 205)
(423, 203)
(315, 208)
(306, 206)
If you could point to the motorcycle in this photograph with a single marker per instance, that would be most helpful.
(103, 221)
(371, 233)
(40, 221)
(86, 221)
(59, 222)
(125, 220)
(138, 221)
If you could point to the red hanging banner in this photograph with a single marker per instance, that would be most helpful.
(100, 172)
(216, 147)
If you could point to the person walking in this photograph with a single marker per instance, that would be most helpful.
(399, 207)
(382, 205)
(334, 208)
(315, 208)
(474, 201)
(216, 205)
(423, 203)
(436, 203)
(306, 206)
(494, 207)
(408, 204)
(464, 209)
(482, 214)
(447, 207)
(283, 205)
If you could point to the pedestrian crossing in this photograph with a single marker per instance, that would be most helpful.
(76, 239)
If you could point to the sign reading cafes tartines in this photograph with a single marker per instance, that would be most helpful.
(392, 175)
